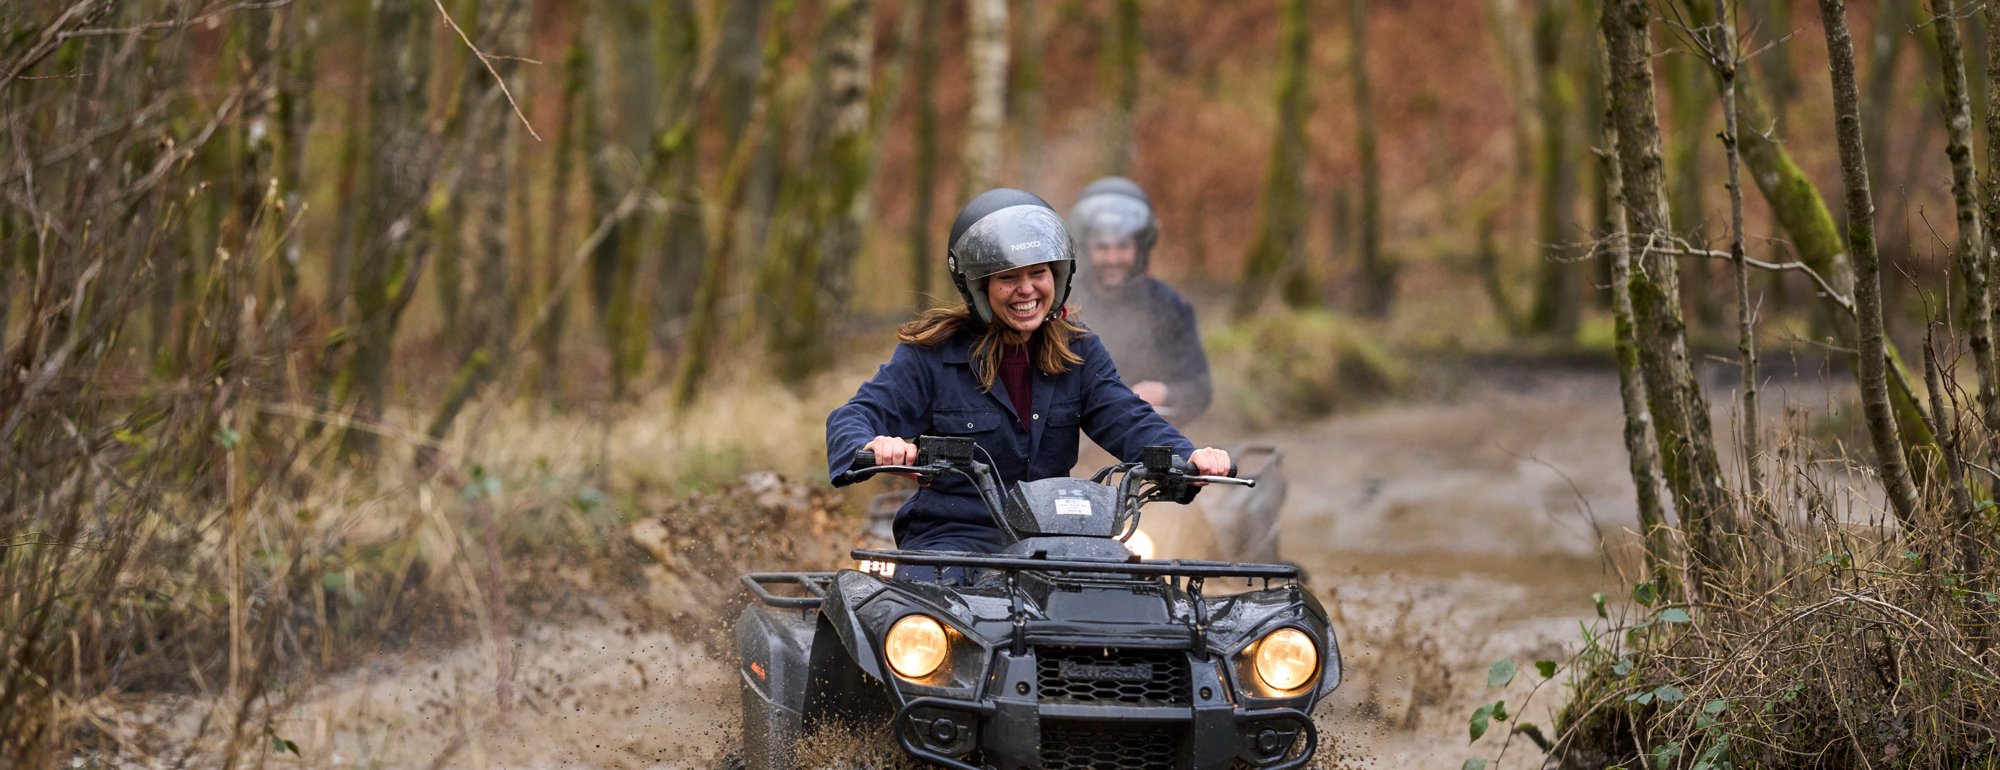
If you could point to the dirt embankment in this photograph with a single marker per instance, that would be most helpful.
(1443, 535)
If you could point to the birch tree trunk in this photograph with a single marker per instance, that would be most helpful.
(1902, 492)
(1687, 447)
(985, 122)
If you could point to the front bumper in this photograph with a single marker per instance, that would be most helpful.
(1010, 733)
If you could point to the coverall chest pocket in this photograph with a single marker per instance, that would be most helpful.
(1066, 414)
(967, 422)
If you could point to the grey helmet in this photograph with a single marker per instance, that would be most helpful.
(1115, 206)
(1003, 229)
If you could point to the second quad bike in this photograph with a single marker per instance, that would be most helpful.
(1062, 650)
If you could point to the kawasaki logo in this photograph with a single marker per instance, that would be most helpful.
(1025, 246)
(1137, 672)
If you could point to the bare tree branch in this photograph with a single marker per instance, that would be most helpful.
(488, 62)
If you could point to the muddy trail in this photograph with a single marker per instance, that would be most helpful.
(1442, 535)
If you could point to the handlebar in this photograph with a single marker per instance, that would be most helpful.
(1159, 475)
(864, 466)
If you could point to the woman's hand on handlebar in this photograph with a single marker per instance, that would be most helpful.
(1210, 461)
(890, 450)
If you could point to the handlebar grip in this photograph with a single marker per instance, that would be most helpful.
(864, 458)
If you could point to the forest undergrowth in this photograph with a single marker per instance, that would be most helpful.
(1835, 636)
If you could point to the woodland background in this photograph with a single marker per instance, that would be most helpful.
(319, 313)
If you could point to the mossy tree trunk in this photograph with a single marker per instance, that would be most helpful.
(563, 162)
(676, 169)
(923, 253)
(1688, 134)
(1123, 87)
(480, 222)
(1027, 92)
(1513, 41)
(1872, 351)
(626, 118)
(447, 213)
(347, 236)
(1378, 271)
(1554, 312)
(1680, 415)
(1281, 225)
(1972, 257)
(1990, 193)
(1644, 457)
(1725, 61)
(294, 114)
(717, 274)
(1802, 213)
(810, 283)
(389, 264)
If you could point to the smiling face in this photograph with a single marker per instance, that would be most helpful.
(1021, 298)
(1111, 260)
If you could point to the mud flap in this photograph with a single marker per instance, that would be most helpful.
(837, 691)
(774, 645)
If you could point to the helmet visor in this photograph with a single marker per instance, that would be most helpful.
(1109, 218)
(1017, 236)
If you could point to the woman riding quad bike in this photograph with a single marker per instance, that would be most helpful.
(1063, 650)
(1007, 368)
(1018, 630)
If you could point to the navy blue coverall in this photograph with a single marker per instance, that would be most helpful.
(1150, 329)
(933, 391)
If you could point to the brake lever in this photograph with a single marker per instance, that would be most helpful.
(924, 473)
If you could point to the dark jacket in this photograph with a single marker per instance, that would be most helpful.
(933, 391)
(1151, 333)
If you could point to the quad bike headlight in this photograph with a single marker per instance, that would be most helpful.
(1140, 543)
(1286, 659)
(916, 646)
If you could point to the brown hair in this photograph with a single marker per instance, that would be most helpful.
(1049, 349)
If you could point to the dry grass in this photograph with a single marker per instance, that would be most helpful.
(1844, 641)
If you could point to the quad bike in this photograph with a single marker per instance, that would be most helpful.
(1065, 650)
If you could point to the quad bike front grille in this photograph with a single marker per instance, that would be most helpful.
(1100, 748)
(1114, 676)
